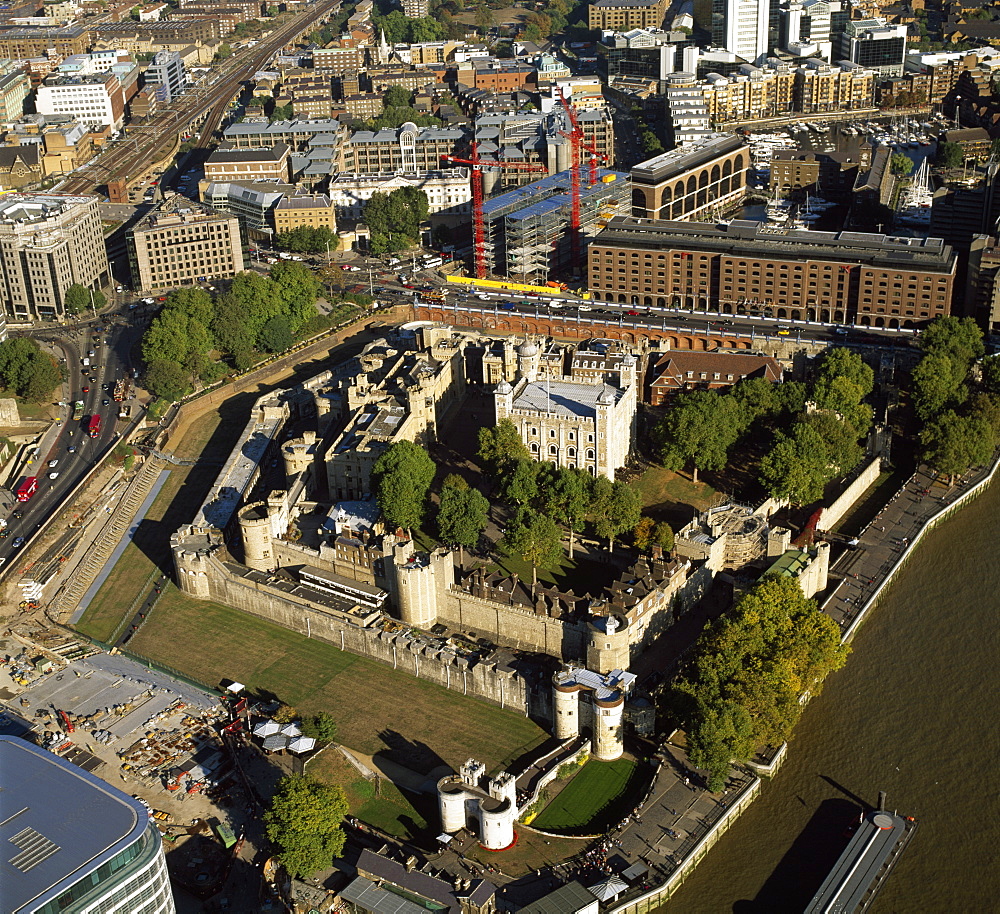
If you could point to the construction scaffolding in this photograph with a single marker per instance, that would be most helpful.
(527, 230)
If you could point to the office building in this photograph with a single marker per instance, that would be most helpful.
(683, 183)
(527, 229)
(876, 45)
(446, 189)
(166, 74)
(408, 149)
(416, 9)
(270, 164)
(73, 842)
(96, 99)
(304, 211)
(182, 243)
(843, 277)
(253, 202)
(48, 242)
(14, 89)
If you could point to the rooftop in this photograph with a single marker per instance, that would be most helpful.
(679, 160)
(24, 209)
(741, 236)
(565, 399)
(58, 823)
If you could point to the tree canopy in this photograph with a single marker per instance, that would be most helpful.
(395, 218)
(500, 447)
(743, 685)
(27, 370)
(304, 823)
(699, 430)
(79, 298)
(533, 537)
(462, 515)
(401, 479)
(307, 240)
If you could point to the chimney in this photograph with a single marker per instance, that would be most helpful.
(411, 864)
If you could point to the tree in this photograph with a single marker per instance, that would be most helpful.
(401, 478)
(26, 370)
(663, 536)
(900, 163)
(165, 378)
(462, 517)
(991, 374)
(699, 429)
(320, 727)
(304, 822)
(840, 440)
(78, 299)
(306, 240)
(797, 467)
(844, 363)
(276, 335)
(501, 447)
(748, 672)
(223, 53)
(643, 533)
(952, 443)
(617, 510)
(960, 339)
(519, 485)
(397, 97)
(485, 18)
(566, 498)
(933, 382)
(950, 155)
(534, 538)
(297, 289)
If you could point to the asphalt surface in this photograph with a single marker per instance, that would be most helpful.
(112, 348)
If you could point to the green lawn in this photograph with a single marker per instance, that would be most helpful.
(580, 574)
(378, 710)
(394, 811)
(663, 489)
(597, 797)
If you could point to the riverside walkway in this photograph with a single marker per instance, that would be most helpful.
(867, 568)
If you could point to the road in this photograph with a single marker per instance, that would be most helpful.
(112, 346)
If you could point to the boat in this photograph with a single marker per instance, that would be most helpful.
(862, 869)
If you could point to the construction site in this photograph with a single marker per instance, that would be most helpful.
(528, 231)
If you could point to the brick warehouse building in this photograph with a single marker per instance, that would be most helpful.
(843, 277)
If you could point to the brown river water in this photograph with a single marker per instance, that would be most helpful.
(916, 713)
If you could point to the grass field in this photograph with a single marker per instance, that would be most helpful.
(664, 493)
(597, 797)
(378, 710)
(394, 811)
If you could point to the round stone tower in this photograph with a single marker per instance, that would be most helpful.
(566, 709)
(255, 528)
(527, 360)
(608, 648)
(192, 572)
(609, 709)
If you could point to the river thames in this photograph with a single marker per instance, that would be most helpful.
(914, 713)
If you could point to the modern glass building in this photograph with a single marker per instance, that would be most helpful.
(73, 843)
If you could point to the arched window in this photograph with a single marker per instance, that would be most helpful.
(553, 450)
(590, 453)
(571, 452)
(552, 433)
(534, 447)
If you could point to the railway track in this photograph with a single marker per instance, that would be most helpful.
(133, 157)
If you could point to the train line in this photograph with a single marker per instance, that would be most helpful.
(133, 156)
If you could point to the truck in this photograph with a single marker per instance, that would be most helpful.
(27, 488)
(94, 426)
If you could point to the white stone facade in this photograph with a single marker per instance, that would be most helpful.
(447, 189)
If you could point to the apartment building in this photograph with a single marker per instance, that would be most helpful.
(14, 89)
(406, 149)
(48, 242)
(622, 15)
(843, 277)
(821, 87)
(296, 134)
(339, 61)
(20, 43)
(183, 242)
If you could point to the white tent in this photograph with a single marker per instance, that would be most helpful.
(266, 728)
(302, 744)
(608, 889)
(291, 729)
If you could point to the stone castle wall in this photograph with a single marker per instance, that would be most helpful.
(478, 679)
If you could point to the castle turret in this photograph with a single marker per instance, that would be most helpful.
(191, 549)
(609, 709)
(567, 710)
(527, 361)
(608, 647)
(415, 581)
(255, 529)
(503, 400)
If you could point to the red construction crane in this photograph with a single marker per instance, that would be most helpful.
(575, 137)
(478, 225)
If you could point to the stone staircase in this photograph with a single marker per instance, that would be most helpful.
(114, 529)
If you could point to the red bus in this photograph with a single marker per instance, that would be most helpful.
(94, 428)
(27, 488)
